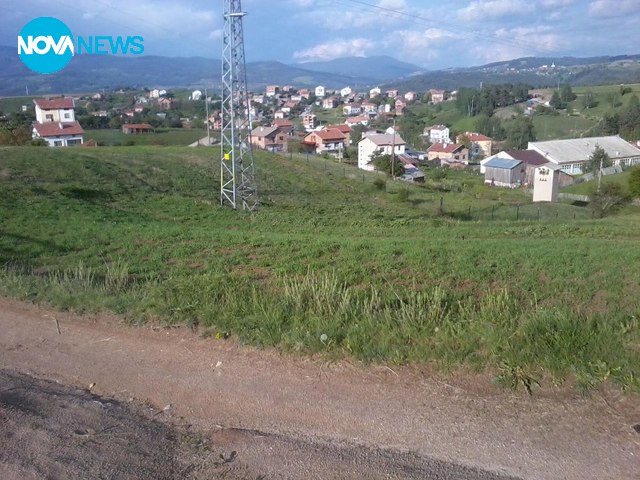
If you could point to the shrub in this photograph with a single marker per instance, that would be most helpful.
(380, 183)
(634, 182)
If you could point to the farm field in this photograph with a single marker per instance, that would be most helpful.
(454, 274)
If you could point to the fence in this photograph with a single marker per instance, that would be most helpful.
(453, 204)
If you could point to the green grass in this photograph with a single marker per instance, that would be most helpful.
(586, 188)
(162, 137)
(550, 127)
(329, 263)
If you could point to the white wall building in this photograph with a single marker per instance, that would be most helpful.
(546, 183)
(320, 91)
(378, 143)
(572, 154)
(56, 123)
(438, 134)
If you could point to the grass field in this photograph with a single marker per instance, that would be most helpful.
(329, 263)
(162, 137)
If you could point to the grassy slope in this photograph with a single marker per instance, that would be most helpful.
(164, 137)
(139, 231)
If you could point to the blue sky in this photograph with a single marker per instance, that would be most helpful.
(432, 34)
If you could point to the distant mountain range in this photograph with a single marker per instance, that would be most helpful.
(87, 73)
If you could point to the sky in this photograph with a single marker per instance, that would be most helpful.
(430, 34)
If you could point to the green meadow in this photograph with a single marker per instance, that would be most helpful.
(453, 273)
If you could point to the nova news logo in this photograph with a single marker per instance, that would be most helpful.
(46, 45)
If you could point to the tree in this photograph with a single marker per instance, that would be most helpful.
(608, 200)
(383, 164)
(356, 133)
(556, 101)
(598, 159)
(491, 127)
(520, 132)
(566, 94)
(589, 100)
(634, 182)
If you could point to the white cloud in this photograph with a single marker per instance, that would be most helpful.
(556, 3)
(421, 44)
(480, 10)
(356, 47)
(613, 8)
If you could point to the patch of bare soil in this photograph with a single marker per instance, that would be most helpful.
(283, 417)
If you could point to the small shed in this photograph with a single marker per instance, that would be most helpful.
(502, 172)
(546, 183)
(136, 128)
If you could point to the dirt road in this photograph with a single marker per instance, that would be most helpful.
(306, 418)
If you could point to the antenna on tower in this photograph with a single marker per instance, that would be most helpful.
(237, 172)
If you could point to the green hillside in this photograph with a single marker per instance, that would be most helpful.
(330, 263)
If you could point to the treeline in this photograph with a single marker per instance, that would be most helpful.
(624, 121)
(484, 101)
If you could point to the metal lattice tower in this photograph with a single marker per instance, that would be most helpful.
(237, 173)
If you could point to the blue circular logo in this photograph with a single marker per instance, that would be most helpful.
(45, 45)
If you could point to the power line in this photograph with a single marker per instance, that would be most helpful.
(416, 18)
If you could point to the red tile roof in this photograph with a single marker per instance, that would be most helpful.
(56, 129)
(445, 147)
(328, 135)
(342, 128)
(282, 123)
(477, 137)
(54, 104)
(530, 157)
(138, 126)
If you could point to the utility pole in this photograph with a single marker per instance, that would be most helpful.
(237, 173)
(206, 108)
(600, 172)
(393, 150)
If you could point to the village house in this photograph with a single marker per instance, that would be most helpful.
(437, 134)
(271, 139)
(449, 154)
(157, 93)
(344, 129)
(320, 91)
(329, 103)
(272, 90)
(572, 154)
(410, 96)
(378, 143)
(196, 95)
(304, 93)
(165, 103)
(326, 141)
(279, 115)
(309, 121)
(351, 109)
(392, 93)
(346, 91)
(369, 107)
(285, 126)
(357, 120)
(56, 123)
(481, 145)
(375, 92)
(437, 96)
(136, 128)
(400, 106)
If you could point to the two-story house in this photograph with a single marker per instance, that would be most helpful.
(437, 134)
(480, 145)
(56, 122)
(449, 154)
(271, 139)
(329, 141)
(380, 143)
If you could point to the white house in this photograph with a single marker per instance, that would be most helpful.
(437, 134)
(56, 123)
(380, 143)
(572, 154)
(351, 109)
(374, 92)
(196, 95)
(346, 91)
(157, 93)
(320, 91)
